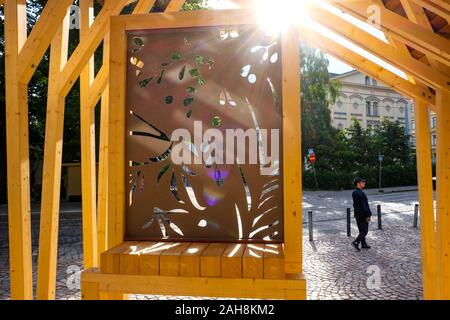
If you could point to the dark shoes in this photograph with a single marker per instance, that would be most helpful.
(356, 245)
(365, 246)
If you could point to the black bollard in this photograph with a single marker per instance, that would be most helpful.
(379, 217)
(310, 223)
(349, 229)
(416, 216)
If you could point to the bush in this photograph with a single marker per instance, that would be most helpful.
(355, 153)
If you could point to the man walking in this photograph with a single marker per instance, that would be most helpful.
(362, 213)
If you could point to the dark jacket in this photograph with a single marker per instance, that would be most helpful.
(361, 204)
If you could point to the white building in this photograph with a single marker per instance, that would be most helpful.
(370, 101)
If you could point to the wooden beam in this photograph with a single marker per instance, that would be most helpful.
(292, 155)
(51, 177)
(88, 163)
(426, 199)
(189, 19)
(416, 14)
(102, 194)
(100, 88)
(21, 280)
(175, 5)
(291, 287)
(143, 6)
(98, 85)
(40, 37)
(88, 45)
(101, 80)
(379, 48)
(438, 7)
(401, 28)
(116, 136)
(337, 50)
(443, 195)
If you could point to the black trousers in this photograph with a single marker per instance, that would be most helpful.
(363, 227)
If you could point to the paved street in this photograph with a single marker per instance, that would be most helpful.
(334, 270)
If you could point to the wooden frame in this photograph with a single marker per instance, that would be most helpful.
(291, 117)
(95, 285)
(23, 53)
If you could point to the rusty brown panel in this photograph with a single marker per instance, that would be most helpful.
(157, 89)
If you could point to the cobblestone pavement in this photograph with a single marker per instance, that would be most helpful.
(334, 270)
(329, 209)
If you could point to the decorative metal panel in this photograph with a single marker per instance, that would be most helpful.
(220, 78)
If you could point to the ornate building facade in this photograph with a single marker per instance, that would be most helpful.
(370, 102)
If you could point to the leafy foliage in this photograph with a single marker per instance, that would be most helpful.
(38, 98)
(342, 155)
(354, 152)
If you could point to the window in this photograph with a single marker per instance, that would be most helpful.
(374, 82)
(433, 140)
(369, 108)
(340, 126)
(413, 125)
(375, 108)
(355, 105)
(372, 108)
(339, 104)
(388, 108)
(433, 122)
(367, 81)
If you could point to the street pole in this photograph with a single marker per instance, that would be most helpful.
(315, 177)
(380, 160)
(379, 189)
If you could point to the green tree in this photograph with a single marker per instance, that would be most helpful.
(38, 97)
(318, 92)
(360, 142)
(392, 142)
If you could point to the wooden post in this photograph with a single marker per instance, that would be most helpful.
(102, 201)
(17, 154)
(51, 178)
(443, 194)
(116, 137)
(426, 199)
(292, 155)
(88, 161)
(143, 6)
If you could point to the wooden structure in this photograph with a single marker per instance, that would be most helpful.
(417, 43)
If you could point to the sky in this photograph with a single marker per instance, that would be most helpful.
(336, 66)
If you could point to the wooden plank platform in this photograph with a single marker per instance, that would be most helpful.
(186, 259)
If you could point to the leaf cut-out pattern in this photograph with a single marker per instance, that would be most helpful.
(179, 86)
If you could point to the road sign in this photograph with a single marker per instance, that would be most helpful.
(381, 158)
(310, 151)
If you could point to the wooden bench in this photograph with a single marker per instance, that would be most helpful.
(193, 269)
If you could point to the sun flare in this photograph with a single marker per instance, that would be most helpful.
(276, 16)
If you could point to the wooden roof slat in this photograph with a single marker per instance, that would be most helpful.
(379, 48)
(439, 7)
(401, 28)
